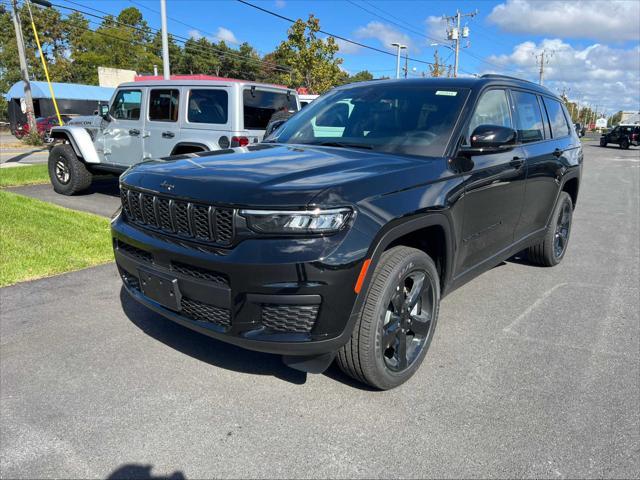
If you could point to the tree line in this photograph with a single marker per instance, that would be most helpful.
(76, 45)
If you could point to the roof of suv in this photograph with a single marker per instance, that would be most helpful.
(201, 83)
(465, 82)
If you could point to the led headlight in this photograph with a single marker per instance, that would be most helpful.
(300, 221)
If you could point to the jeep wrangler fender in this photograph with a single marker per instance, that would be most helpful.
(80, 141)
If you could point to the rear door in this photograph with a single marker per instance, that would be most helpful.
(122, 137)
(260, 104)
(162, 129)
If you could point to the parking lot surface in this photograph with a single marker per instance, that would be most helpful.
(533, 372)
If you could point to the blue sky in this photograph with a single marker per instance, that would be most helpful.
(596, 56)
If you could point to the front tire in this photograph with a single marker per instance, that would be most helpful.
(624, 144)
(393, 333)
(551, 250)
(603, 142)
(67, 173)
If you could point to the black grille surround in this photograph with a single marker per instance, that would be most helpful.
(289, 318)
(188, 220)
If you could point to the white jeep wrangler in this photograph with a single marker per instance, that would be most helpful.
(155, 119)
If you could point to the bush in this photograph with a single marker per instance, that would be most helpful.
(32, 138)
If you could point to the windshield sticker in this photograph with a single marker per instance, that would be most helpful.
(448, 93)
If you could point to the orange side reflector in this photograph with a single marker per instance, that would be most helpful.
(363, 273)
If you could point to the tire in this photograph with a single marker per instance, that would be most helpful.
(552, 249)
(67, 173)
(603, 142)
(624, 144)
(363, 357)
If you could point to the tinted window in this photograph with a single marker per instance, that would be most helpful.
(260, 105)
(559, 125)
(163, 105)
(528, 116)
(208, 106)
(492, 109)
(400, 118)
(126, 105)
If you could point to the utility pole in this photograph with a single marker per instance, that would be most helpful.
(165, 40)
(399, 46)
(406, 63)
(24, 72)
(541, 57)
(456, 34)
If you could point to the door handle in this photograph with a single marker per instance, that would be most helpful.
(134, 132)
(517, 162)
(168, 134)
(557, 152)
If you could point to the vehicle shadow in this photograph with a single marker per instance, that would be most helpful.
(141, 472)
(206, 349)
(105, 185)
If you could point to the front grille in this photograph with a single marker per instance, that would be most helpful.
(200, 273)
(289, 318)
(184, 219)
(135, 252)
(205, 312)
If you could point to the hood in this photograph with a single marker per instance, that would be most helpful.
(274, 175)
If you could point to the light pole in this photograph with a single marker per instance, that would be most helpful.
(399, 46)
(165, 40)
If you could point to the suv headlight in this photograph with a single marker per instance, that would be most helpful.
(297, 222)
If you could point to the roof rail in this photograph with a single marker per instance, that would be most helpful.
(497, 75)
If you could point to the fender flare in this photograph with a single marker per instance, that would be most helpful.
(80, 141)
(204, 147)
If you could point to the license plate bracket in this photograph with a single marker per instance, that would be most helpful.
(160, 288)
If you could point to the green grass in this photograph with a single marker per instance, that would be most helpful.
(38, 239)
(33, 174)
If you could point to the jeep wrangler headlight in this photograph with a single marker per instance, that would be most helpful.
(299, 221)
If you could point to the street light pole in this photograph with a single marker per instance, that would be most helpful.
(399, 46)
(24, 72)
(165, 40)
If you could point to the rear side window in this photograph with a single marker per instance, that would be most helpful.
(492, 109)
(260, 105)
(163, 105)
(208, 106)
(559, 125)
(126, 105)
(528, 117)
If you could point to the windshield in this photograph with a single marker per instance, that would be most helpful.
(410, 119)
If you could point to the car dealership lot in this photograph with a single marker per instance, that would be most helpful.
(532, 372)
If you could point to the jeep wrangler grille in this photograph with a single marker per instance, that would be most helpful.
(177, 217)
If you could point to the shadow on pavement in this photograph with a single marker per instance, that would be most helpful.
(105, 185)
(206, 349)
(137, 471)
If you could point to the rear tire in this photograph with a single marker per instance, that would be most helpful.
(624, 144)
(67, 173)
(603, 142)
(551, 250)
(393, 333)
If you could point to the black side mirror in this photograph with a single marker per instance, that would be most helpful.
(104, 112)
(273, 126)
(491, 139)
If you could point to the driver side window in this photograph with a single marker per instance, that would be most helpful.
(126, 105)
(492, 109)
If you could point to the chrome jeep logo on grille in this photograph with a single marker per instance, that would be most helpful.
(167, 185)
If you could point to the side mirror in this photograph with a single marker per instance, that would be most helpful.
(104, 112)
(491, 139)
(273, 126)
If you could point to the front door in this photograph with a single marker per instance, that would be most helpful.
(163, 126)
(123, 133)
(494, 189)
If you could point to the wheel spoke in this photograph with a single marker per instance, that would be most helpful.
(402, 350)
(416, 290)
(420, 326)
(390, 332)
(396, 301)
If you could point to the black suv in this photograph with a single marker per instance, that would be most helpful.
(338, 235)
(622, 135)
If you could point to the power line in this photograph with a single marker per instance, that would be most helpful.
(290, 20)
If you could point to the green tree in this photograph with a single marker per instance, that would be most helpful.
(311, 59)
(175, 52)
(437, 69)
(614, 119)
(361, 76)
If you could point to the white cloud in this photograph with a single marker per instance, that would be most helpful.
(221, 34)
(281, 4)
(611, 20)
(346, 47)
(436, 28)
(597, 74)
(386, 35)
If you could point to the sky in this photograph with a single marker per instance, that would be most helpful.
(593, 46)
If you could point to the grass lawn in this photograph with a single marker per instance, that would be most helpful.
(39, 239)
(14, 176)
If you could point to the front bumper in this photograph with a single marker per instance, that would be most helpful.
(271, 295)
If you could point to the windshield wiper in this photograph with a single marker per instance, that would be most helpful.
(343, 145)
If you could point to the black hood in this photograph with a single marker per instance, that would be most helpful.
(272, 175)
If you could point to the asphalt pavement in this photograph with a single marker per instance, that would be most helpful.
(533, 372)
(14, 153)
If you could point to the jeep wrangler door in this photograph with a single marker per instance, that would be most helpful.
(162, 130)
(123, 133)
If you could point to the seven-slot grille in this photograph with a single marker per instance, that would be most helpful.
(185, 219)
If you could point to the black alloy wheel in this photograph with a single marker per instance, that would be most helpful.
(563, 227)
(407, 321)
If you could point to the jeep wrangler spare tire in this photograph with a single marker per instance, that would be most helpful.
(67, 173)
